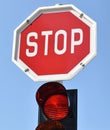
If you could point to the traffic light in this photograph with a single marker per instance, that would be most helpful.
(57, 105)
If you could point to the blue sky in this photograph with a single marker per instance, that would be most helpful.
(18, 108)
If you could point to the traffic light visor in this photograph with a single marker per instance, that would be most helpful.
(50, 125)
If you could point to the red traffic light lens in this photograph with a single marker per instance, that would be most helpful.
(53, 100)
(56, 107)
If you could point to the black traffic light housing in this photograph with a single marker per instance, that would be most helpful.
(70, 122)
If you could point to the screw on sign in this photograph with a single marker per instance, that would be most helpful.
(54, 43)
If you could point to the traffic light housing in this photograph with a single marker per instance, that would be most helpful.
(57, 104)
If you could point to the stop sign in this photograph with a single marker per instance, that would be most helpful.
(54, 43)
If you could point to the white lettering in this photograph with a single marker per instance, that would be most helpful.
(78, 42)
(46, 34)
(32, 44)
(56, 42)
(63, 50)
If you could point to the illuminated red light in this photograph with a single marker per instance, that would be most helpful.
(56, 107)
(53, 100)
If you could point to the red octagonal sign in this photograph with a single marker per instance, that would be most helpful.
(54, 43)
